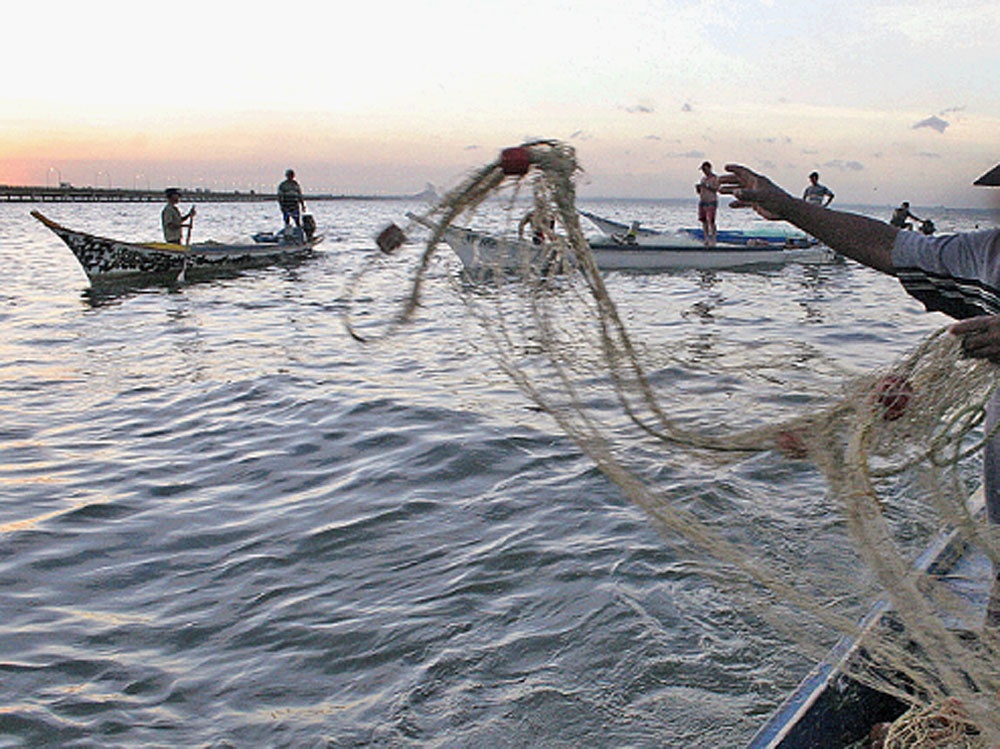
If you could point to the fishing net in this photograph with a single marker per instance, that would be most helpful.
(944, 725)
(891, 446)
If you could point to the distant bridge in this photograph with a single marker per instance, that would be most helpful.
(67, 194)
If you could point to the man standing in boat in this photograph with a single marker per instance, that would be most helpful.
(290, 199)
(171, 218)
(708, 202)
(817, 193)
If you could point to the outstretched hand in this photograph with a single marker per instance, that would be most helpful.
(751, 190)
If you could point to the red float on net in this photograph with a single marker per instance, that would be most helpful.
(515, 161)
(893, 394)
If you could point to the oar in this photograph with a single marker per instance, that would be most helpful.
(187, 247)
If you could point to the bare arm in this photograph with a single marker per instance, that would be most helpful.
(867, 240)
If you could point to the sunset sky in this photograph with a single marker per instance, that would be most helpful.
(889, 101)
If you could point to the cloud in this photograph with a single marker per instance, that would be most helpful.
(933, 122)
(640, 109)
(951, 110)
(652, 137)
(849, 166)
(687, 108)
(688, 155)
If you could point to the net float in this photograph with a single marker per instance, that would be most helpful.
(515, 162)
(893, 394)
(390, 239)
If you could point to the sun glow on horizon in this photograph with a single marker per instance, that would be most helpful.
(384, 97)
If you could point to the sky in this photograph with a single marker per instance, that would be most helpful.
(888, 100)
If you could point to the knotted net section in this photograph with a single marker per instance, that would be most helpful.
(906, 433)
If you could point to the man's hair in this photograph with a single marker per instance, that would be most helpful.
(813, 174)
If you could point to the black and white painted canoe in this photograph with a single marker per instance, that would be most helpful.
(103, 258)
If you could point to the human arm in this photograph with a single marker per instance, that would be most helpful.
(866, 240)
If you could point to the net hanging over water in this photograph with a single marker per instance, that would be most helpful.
(906, 433)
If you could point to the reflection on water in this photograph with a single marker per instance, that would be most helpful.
(105, 293)
(223, 521)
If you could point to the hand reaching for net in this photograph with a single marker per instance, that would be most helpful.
(752, 190)
(980, 337)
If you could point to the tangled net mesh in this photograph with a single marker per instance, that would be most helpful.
(943, 724)
(910, 429)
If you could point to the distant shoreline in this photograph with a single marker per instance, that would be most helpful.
(70, 194)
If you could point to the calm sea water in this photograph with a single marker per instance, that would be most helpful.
(225, 523)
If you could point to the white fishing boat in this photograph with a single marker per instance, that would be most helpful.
(774, 234)
(479, 251)
(681, 251)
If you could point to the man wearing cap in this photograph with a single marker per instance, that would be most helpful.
(173, 221)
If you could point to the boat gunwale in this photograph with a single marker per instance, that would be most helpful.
(943, 552)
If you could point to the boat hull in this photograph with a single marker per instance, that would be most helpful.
(680, 254)
(483, 252)
(774, 236)
(479, 251)
(108, 259)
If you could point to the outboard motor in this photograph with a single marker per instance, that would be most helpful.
(309, 225)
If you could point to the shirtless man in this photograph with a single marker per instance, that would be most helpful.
(708, 202)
